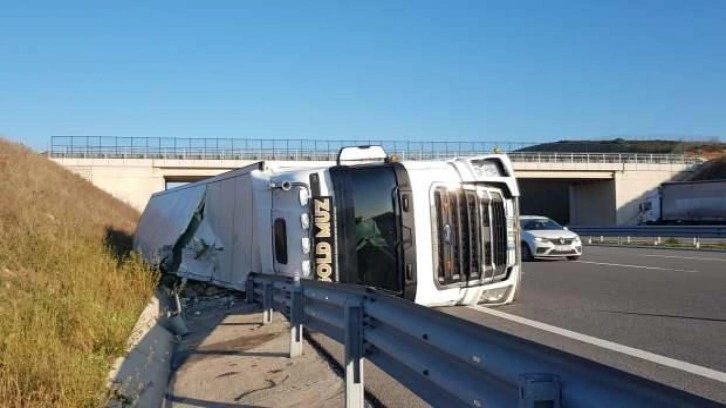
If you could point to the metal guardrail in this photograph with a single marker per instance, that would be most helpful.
(445, 360)
(625, 234)
(320, 150)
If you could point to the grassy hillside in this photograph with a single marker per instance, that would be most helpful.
(711, 170)
(69, 292)
(705, 148)
(714, 151)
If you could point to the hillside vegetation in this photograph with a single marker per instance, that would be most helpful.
(714, 151)
(69, 291)
(707, 148)
(711, 170)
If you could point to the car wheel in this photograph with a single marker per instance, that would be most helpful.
(573, 258)
(526, 253)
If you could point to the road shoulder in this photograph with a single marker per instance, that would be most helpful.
(229, 359)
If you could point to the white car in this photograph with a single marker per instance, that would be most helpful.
(544, 238)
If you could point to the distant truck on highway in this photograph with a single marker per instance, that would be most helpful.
(436, 232)
(687, 203)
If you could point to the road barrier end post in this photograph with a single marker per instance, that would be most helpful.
(296, 322)
(354, 390)
(267, 303)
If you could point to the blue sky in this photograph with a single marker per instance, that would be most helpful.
(440, 70)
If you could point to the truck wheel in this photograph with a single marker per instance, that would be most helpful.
(573, 258)
(526, 253)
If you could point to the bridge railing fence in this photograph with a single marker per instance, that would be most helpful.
(445, 360)
(319, 150)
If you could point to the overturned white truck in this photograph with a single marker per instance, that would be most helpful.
(435, 232)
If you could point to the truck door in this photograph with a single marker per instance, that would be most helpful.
(290, 222)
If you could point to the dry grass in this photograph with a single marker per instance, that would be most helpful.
(69, 293)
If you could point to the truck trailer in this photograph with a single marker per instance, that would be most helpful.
(435, 232)
(687, 203)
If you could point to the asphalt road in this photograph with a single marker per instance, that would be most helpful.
(668, 307)
(668, 302)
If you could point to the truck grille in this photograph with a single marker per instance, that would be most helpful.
(470, 236)
(500, 235)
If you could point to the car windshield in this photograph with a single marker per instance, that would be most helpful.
(542, 224)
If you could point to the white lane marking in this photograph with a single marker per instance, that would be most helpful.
(695, 258)
(656, 268)
(633, 352)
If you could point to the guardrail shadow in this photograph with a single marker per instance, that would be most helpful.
(234, 355)
(207, 404)
(147, 372)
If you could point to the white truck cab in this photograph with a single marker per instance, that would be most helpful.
(435, 232)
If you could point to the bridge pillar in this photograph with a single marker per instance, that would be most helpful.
(633, 187)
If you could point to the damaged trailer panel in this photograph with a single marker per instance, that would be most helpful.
(202, 231)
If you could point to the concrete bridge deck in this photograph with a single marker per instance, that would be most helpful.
(579, 188)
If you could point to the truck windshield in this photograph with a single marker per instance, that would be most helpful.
(375, 226)
(368, 224)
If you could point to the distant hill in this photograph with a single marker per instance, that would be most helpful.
(707, 149)
(711, 170)
(69, 292)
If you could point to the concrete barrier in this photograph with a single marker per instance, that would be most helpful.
(139, 378)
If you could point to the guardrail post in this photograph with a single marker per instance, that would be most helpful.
(250, 290)
(628, 239)
(696, 242)
(602, 239)
(267, 302)
(620, 240)
(589, 240)
(296, 322)
(539, 390)
(354, 390)
(657, 241)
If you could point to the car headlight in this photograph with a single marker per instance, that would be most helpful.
(538, 239)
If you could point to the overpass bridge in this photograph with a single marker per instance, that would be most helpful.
(577, 188)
